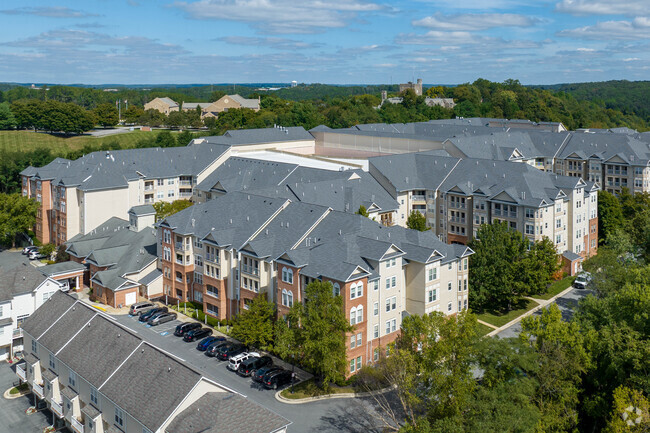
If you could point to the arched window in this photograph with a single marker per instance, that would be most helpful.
(337, 289)
(353, 316)
(287, 275)
(284, 297)
(359, 288)
(360, 314)
(353, 290)
(289, 298)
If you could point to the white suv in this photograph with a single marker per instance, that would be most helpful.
(233, 363)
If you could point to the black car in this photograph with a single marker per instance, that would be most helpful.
(248, 366)
(207, 341)
(186, 327)
(213, 348)
(225, 352)
(258, 376)
(276, 379)
(196, 334)
(145, 316)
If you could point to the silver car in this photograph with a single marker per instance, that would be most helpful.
(162, 318)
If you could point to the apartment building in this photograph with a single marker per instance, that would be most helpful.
(458, 195)
(228, 250)
(293, 139)
(120, 258)
(96, 376)
(23, 289)
(77, 196)
(164, 105)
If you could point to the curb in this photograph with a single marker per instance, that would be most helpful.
(8, 396)
(541, 305)
(331, 396)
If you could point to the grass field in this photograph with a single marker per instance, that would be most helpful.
(501, 319)
(25, 141)
(484, 330)
(555, 288)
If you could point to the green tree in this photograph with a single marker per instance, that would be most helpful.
(47, 250)
(61, 254)
(363, 211)
(417, 221)
(106, 115)
(538, 266)
(165, 209)
(254, 326)
(133, 114)
(17, 215)
(321, 336)
(177, 119)
(630, 412)
(610, 214)
(7, 119)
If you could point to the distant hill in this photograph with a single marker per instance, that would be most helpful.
(629, 97)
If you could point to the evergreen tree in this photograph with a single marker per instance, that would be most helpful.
(417, 221)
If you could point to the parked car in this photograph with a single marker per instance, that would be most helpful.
(161, 318)
(207, 341)
(186, 327)
(226, 352)
(29, 249)
(258, 376)
(35, 255)
(276, 379)
(139, 307)
(196, 334)
(582, 281)
(213, 348)
(250, 365)
(147, 314)
(235, 361)
(65, 285)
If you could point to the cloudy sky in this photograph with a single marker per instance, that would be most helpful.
(342, 41)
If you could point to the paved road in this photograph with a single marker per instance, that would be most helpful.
(12, 412)
(567, 303)
(336, 415)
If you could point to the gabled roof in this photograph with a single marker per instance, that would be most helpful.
(19, 279)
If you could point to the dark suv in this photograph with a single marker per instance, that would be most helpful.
(248, 366)
(213, 348)
(145, 316)
(258, 376)
(184, 328)
(196, 334)
(226, 352)
(276, 379)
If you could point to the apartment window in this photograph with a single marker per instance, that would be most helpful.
(558, 239)
(558, 223)
(375, 309)
(34, 347)
(465, 264)
(359, 339)
(449, 286)
(460, 285)
(93, 397)
(449, 307)
(465, 304)
(356, 290)
(376, 331)
(336, 291)
(353, 342)
(211, 290)
(119, 417)
(72, 379)
(170, 181)
(393, 281)
(212, 309)
(167, 236)
(52, 362)
(287, 275)
(530, 229)
(450, 266)
(170, 193)
(375, 355)
(359, 314)
(0, 310)
(388, 283)
(375, 285)
(198, 260)
(198, 278)
(432, 295)
(358, 362)
(289, 298)
(433, 274)
(530, 213)
(465, 285)
(353, 316)
(388, 327)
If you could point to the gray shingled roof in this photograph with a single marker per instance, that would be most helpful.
(246, 103)
(66, 326)
(151, 277)
(130, 386)
(243, 174)
(61, 268)
(46, 314)
(226, 413)
(90, 411)
(48, 374)
(169, 101)
(68, 392)
(410, 171)
(143, 209)
(605, 146)
(236, 137)
(19, 279)
(497, 146)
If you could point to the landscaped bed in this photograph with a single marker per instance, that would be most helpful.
(309, 388)
(556, 287)
(19, 389)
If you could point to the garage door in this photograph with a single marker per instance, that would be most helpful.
(131, 298)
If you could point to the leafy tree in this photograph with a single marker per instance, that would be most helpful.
(166, 139)
(7, 119)
(417, 221)
(363, 211)
(176, 119)
(610, 214)
(28, 113)
(47, 250)
(254, 327)
(61, 254)
(538, 266)
(316, 330)
(165, 209)
(17, 215)
(630, 412)
(152, 117)
(106, 115)
(133, 114)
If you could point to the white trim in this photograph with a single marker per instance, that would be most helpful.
(120, 366)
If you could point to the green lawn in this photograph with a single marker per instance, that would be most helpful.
(555, 288)
(25, 141)
(308, 388)
(498, 319)
(483, 330)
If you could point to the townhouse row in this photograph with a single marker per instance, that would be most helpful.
(97, 376)
(226, 251)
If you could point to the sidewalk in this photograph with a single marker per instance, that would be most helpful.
(542, 304)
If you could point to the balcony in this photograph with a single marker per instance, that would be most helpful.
(57, 408)
(185, 193)
(179, 246)
(38, 390)
(417, 197)
(77, 425)
(456, 205)
(185, 183)
(458, 220)
(18, 333)
(20, 372)
(148, 200)
(212, 258)
(247, 269)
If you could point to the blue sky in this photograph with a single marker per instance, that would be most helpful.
(340, 42)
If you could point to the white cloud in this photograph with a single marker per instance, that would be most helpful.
(600, 7)
(469, 22)
(281, 16)
(49, 12)
(631, 59)
(637, 29)
(276, 43)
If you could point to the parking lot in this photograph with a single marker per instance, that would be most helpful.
(322, 416)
